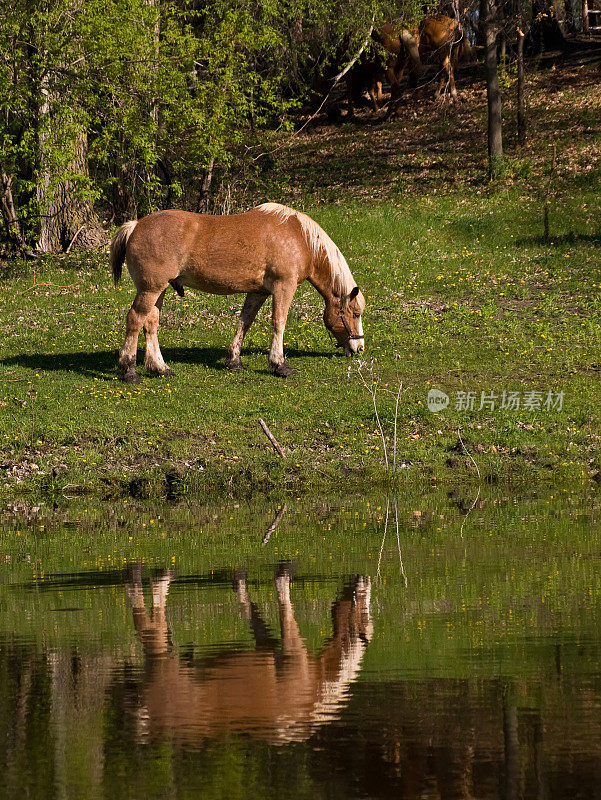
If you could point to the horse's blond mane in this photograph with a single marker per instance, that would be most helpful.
(319, 243)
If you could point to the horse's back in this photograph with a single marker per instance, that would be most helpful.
(436, 32)
(219, 254)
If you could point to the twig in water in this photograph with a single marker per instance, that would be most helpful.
(396, 416)
(383, 538)
(271, 437)
(468, 453)
(398, 541)
(479, 486)
(275, 523)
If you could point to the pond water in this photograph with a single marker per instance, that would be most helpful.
(417, 647)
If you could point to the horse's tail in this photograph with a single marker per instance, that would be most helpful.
(320, 245)
(118, 246)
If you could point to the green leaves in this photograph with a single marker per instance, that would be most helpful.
(162, 92)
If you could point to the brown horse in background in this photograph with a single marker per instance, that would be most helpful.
(278, 691)
(438, 37)
(270, 250)
(400, 51)
(442, 38)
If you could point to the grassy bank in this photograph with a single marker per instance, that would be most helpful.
(463, 294)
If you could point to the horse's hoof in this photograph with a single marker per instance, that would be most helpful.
(131, 377)
(239, 581)
(166, 372)
(283, 370)
(234, 366)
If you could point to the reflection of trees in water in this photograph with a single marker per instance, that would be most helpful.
(51, 711)
(472, 738)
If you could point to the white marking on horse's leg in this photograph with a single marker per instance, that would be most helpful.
(282, 585)
(160, 589)
(250, 309)
(135, 594)
(363, 594)
(243, 595)
(452, 82)
(282, 297)
(136, 316)
(153, 358)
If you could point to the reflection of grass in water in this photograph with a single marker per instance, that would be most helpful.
(490, 601)
(497, 610)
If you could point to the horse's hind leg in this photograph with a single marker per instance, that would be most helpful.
(142, 306)
(153, 358)
(250, 309)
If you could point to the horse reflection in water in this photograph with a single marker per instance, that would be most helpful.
(278, 692)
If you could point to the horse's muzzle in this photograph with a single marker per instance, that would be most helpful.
(353, 347)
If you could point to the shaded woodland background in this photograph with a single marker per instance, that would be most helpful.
(111, 109)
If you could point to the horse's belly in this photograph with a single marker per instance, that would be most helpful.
(214, 282)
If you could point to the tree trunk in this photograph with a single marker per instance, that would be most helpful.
(493, 92)
(513, 772)
(67, 218)
(522, 122)
(502, 49)
(570, 20)
(585, 25)
(205, 189)
(9, 214)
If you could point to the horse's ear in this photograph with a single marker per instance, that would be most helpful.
(354, 293)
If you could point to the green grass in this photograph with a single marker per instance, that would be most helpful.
(462, 295)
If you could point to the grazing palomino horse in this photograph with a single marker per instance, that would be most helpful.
(277, 692)
(443, 38)
(270, 250)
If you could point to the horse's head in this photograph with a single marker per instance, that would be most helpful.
(344, 322)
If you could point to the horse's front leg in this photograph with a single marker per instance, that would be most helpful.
(250, 309)
(282, 298)
(153, 358)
